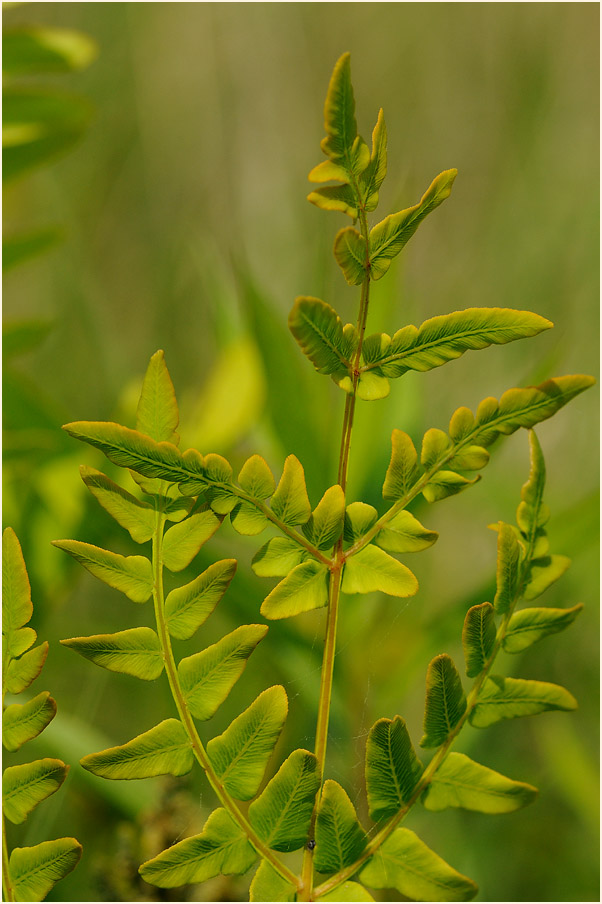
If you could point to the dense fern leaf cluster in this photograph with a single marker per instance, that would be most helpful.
(31, 872)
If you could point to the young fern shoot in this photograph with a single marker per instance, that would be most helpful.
(334, 547)
(29, 873)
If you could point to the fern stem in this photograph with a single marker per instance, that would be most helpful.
(336, 571)
(186, 718)
(429, 772)
(7, 886)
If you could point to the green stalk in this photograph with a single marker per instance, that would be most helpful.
(7, 886)
(186, 717)
(429, 773)
(336, 571)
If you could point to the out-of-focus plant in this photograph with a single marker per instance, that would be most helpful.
(29, 873)
(39, 122)
(322, 551)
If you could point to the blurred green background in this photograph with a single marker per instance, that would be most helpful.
(185, 227)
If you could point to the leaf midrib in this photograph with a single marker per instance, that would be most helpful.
(328, 342)
(418, 349)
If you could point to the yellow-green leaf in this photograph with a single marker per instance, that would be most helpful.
(163, 750)
(359, 518)
(137, 517)
(34, 871)
(530, 625)
(342, 144)
(389, 236)
(392, 768)
(478, 637)
(31, 50)
(182, 541)
(543, 573)
(17, 607)
(508, 698)
(447, 336)
(290, 502)
(22, 671)
(348, 891)
(208, 677)
(404, 862)
(157, 414)
(221, 849)
(460, 782)
(256, 479)
(281, 815)
(268, 885)
(132, 575)
(404, 533)
(508, 568)
(278, 557)
(373, 176)
(371, 570)
(321, 335)
(135, 651)
(340, 839)
(240, 755)
(445, 701)
(403, 467)
(305, 588)
(188, 607)
(326, 522)
(446, 483)
(23, 721)
(25, 786)
(350, 254)
(247, 519)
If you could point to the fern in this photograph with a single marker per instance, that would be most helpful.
(30, 872)
(325, 548)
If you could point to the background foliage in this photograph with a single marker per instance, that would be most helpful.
(186, 229)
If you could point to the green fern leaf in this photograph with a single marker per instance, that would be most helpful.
(17, 607)
(137, 517)
(247, 519)
(256, 479)
(350, 254)
(281, 815)
(392, 768)
(163, 750)
(27, 785)
(326, 521)
(389, 236)
(445, 337)
(478, 637)
(268, 885)
(335, 197)
(340, 839)
(348, 891)
(131, 575)
(278, 557)
(446, 483)
(305, 588)
(373, 176)
(290, 502)
(182, 542)
(188, 607)
(321, 335)
(135, 651)
(404, 533)
(342, 143)
(23, 721)
(21, 672)
(372, 569)
(445, 701)
(543, 573)
(221, 848)
(34, 871)
(404, 862)
(530, 625)
(403, 467)
(208, 677)
(460, 782)
(240, 755)
(359, 518)
(508, 568)
(508, 698)
(157, 414)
